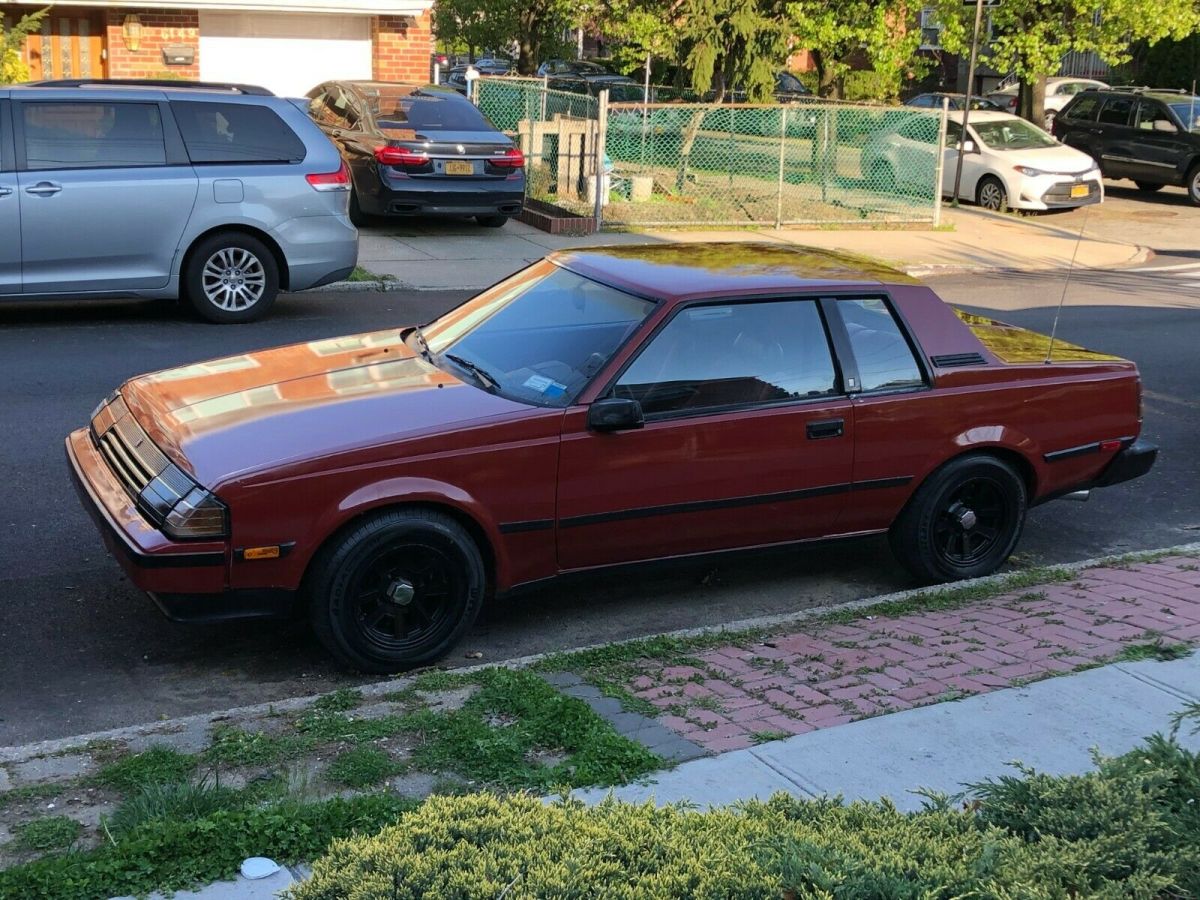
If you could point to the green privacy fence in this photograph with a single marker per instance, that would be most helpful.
(724, 164)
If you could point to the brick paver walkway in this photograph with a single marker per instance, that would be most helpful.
(735, 696)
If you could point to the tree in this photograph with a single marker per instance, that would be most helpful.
(1030, 37)
(540, 25)
(733, 43)
(473, 24)
(535, 27)
(12, 67)
(834, 32)
(642, 28)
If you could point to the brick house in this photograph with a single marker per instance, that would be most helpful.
(285, 45)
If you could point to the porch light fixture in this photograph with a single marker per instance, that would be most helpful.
(131, 31)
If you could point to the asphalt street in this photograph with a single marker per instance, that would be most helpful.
(81, 650)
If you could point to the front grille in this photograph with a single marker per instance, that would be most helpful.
(136, 461)
(1061, 192)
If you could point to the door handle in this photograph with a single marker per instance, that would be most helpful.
(830, 428)
(44, 188)
(5, 191)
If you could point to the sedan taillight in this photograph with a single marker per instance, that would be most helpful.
(330, 181)
(513, 158)
(401, 156)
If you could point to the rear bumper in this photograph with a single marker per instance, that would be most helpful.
(418, 197)
(1132, 462)
(318, 249)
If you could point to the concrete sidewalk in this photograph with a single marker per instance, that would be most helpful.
(1051, 726)
(449, 255)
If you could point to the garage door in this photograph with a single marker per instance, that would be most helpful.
(289, 53)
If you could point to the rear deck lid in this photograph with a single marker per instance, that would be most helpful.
(1020, 346)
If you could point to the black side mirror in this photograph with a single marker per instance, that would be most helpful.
(615, 414)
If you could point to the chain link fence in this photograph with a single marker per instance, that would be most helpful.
(687, 164)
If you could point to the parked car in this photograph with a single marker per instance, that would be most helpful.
(457, 76)
(1059, 92)
(418, 150)
(788, 89)
(1007, 163)
(601, 407)
(571, 67)
(934, 100)
(219, 194)
(1149, 136)
(620, 89)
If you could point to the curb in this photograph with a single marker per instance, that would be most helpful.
(355, 287)
(18, 753)
(1141, 255)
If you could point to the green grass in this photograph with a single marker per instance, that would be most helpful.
(50, 833)
(157, 765)
(361, 274)
(362, 767)
(33, 792)
(181, 801)
(765, 737)
(1153, 650)
(341, 700)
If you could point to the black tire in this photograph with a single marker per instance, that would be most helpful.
(228, 253)
(1193, 184)
(990, 193)
(936, 539)
(357, 217)
(396, 590)
(491, 221)
(1149, 186)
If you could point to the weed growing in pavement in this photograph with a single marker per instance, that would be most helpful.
(50, 833)
(341, 700)
(441, 681)
(362, 767)
(1153, 650)
(324, 727)
(765, 737)
(33, 792)
(157, 765)
(234, 746)
(180, 801)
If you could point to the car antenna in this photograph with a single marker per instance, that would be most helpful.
(1066, 284)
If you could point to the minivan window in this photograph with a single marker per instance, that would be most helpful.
(235, 133)
(1116, 111)
(413, 107)
(91, 135)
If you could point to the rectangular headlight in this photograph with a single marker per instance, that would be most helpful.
(198, 515)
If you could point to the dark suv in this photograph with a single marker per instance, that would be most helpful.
(1149, 136)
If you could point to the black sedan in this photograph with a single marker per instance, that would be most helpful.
(933, 100)
(417, 150)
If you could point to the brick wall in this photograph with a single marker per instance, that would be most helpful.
(159, 28)
(402, 46)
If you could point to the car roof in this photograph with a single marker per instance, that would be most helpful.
(982, 115)
(693, 271)
(365, 87)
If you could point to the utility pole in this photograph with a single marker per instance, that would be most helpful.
(962, 141)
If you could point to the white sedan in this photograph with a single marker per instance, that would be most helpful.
(1007, 162)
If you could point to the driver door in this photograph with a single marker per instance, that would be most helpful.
(748, 440)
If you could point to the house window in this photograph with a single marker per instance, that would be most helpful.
(931, 30)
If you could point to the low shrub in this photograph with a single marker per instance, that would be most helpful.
(50, 833)
(1125, 830)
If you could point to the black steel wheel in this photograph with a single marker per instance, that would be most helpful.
(963, 522)
(396, 591)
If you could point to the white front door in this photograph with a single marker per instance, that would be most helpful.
(288, 53)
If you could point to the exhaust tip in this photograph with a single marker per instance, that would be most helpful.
(1081, 496)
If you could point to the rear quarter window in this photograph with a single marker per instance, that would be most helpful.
(235, 133)
(1083, 108)
(884, 358)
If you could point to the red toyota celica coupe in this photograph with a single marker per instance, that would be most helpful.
(600, 407)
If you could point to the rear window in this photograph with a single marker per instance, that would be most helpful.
(420, 110)
(1084, 108)
(235, 133)
(1116, 111)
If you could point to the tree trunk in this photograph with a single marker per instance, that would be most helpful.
(1031, 101)
(528, 41)
(829, 85)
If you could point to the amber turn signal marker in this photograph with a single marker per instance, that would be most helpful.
(261, 552)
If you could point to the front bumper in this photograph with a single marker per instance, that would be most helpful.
(1132, 462)
(1044, 192)
(154, 562)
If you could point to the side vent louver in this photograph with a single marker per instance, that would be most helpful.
(954, 360)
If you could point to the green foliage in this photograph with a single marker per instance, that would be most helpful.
(167, 854)
(641, 30)
(534, 26)
(733, 44)
(1166, 64)
(1153, 650)
(1128, 829)
(362, 767)
(157, 765)
(500, 732)
(50, 833)
(12, 39)
(180, 801)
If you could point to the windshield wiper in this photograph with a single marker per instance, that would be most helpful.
(482, 374)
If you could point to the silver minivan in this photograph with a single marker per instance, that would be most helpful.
(219, 194)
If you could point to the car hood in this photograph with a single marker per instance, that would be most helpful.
(229, 417)
(1059, 159)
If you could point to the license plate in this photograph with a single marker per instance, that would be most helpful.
(466, 168)
(1079, 190)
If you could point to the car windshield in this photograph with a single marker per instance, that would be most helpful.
(1189, 114)
(537, 337)
(623, 92)
(1012, 134)
(419, 109)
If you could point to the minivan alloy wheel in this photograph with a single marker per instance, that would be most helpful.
(233, 279)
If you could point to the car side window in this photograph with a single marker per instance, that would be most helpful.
(1084, 108)
(885, 360)
(235, 132)
(732, 355)
(89, 135)
(1150, 114)
(953, 134)
(921, 128)
(1116, 111)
